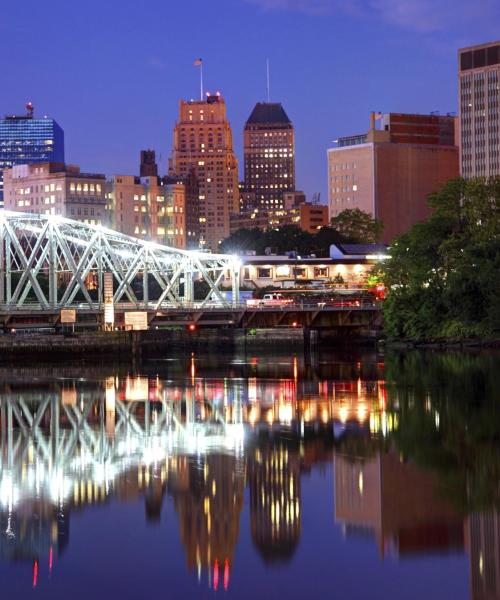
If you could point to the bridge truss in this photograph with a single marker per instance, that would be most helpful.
(49, 262)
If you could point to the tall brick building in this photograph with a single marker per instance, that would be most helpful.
(390, 171)
(203, 143)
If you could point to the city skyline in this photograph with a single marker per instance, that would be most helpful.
(114, 97)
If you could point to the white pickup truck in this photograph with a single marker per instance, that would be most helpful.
(272, 299)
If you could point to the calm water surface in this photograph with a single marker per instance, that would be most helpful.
(349, 475)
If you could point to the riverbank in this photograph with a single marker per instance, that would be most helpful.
(118, 345)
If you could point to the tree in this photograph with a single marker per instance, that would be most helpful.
(443, 278)
(288, 237)
(242, 240)
(357, 226)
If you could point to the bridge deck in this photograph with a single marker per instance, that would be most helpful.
(310, 316)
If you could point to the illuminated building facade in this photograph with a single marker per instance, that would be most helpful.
(146, 208)
(57, 189)
(25, 140)
(203, 143)
(269, 155)
(191, 206)
(478, 94)
(285, 271)
(309, 217)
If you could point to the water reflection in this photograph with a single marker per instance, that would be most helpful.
(412, 443)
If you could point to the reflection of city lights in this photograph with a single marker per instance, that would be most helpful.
(137, 389)
(360, 482)
(285, 413)
(361, 412)
(343, 414)
(226, 574)
(35, 573)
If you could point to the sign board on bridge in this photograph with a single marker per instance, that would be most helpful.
(136, 320)
(68, 316)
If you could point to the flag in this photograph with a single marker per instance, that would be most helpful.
(198, 62)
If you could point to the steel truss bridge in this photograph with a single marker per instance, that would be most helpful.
(48, 263)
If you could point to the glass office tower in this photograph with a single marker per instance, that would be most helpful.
(24, 140)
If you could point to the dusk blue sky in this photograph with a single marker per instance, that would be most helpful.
(112, 72)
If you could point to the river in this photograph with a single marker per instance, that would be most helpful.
(346, 474)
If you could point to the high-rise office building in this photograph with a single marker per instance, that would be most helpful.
(269, 155)
(479, 100)
(26, 140)
(390, 171)
(203, 143)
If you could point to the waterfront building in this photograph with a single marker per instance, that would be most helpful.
(479, 98)
(25, 140)
(349, 265)
(269, 155)
(203, 144)
(57, 189)
(390, 172)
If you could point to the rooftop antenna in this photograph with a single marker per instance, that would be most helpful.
(268, 84)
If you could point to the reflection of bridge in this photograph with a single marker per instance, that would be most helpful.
(49, 263)
(51, 443)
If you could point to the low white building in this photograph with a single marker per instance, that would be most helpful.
(348, 265)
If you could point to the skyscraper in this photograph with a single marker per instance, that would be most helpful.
(479, 98)
(203, 142)
(26, 140)
(269, 155)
